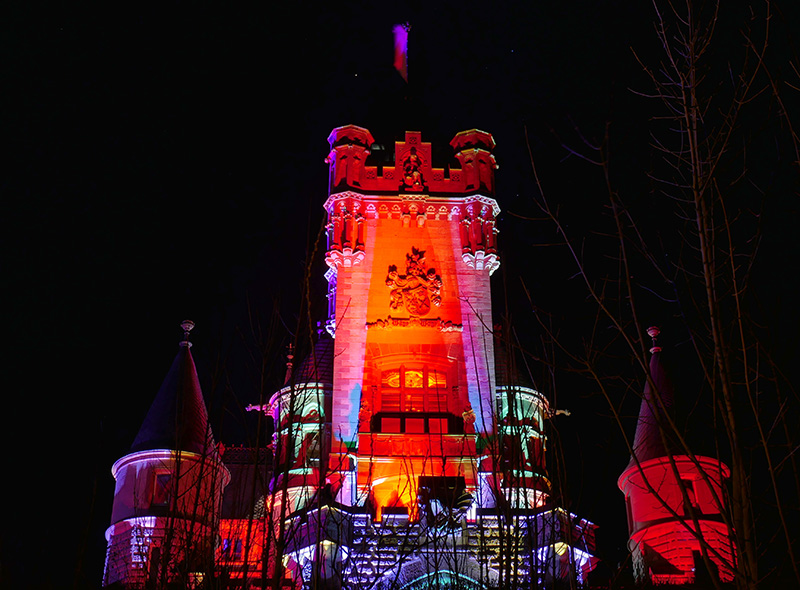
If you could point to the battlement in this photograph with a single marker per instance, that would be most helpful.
(413, 171)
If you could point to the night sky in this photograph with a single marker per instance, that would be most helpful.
(168, 164)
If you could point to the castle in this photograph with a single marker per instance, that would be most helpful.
(406, 453)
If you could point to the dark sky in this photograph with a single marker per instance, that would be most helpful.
(168, 164)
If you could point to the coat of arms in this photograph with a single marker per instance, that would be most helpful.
(418, 288)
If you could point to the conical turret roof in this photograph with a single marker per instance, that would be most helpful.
(510, 368)
(318, 365)
(657, 401)
(177, 419)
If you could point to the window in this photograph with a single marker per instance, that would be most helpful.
(417, 423)
(413, 389)
(688, 485)
(162, 489)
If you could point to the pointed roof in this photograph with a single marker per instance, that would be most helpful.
(648, 442)
(317, 366)
(177, 419)
(510, 368)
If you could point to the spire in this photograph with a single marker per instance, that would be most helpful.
(510, 367)
(289, 360)
(177, 419)
(648, 442)
(317, 366)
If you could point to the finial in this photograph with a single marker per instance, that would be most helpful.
(653, 332)
(187, 326)
(289, 357)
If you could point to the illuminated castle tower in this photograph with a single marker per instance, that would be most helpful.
(410, 253)
(675, 502)
(413, 442)
(168, 490)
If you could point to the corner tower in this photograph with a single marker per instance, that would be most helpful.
(168, 489)
(676, 502)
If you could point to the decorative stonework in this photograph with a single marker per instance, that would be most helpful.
(416, 290)
(469, 415)
(478, 235)
(482, 261)
(412, 171)
(345, 231)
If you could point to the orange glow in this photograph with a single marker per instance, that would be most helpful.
(413, 365)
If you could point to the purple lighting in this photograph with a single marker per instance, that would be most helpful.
(401, 49)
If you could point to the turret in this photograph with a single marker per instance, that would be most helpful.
(301, 436)
(675, 501)
(168, 488)
(301, 491)
(514, 478)
(473, 150)
(347, 159)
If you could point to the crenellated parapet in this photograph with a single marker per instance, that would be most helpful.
(413, 170)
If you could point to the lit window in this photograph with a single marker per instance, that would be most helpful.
(413, 378)
(436, 380)
(390, 401)
(391, 379)
(413, 389)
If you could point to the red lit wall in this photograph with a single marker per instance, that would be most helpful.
(662, 520)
